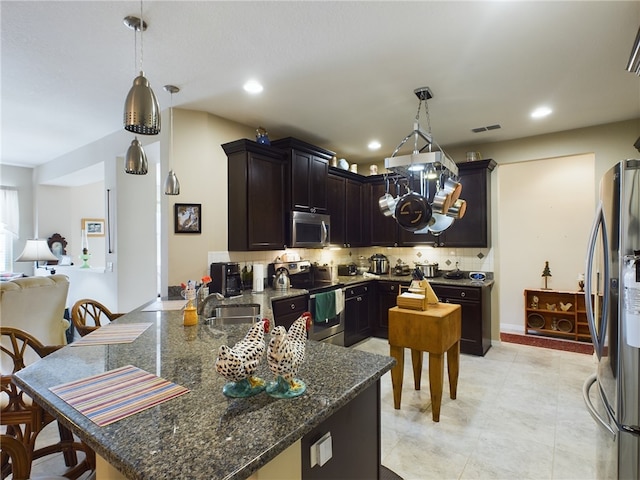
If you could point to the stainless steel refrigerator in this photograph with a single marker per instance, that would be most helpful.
(612, 298)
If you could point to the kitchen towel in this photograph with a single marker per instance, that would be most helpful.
(325, 306)
(339, 301)
(258, 277)
(111, 396)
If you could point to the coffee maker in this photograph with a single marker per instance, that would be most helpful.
(225, 279)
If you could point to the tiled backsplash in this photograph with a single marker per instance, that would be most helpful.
(468, 259)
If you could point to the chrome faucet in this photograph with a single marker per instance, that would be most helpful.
(211, 298)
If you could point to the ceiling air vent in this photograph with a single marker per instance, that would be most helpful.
(484, 129)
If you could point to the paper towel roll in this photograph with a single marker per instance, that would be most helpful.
(258, 277)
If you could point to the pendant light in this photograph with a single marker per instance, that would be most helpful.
(141, 109)
(135, 161)
(171, 184)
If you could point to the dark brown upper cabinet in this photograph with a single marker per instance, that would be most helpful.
(256, 196)
(307, 174)
(348, 208)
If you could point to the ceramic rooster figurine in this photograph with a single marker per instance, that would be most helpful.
(239, 363)
(285, 354)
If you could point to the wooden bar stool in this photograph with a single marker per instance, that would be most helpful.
(435, 330)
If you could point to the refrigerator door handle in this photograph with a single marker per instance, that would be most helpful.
(633, 429)
(597, 334)
(592, 410)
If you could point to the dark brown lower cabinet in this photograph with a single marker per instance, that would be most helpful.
(357, 313)
(287, 310)
(476, 315)
(355, 438)
(386, 293)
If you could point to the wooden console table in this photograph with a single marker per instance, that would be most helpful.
(435, 330)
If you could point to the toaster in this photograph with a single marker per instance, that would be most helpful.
(345, 270)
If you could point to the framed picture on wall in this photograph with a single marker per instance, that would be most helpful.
(188, 218)
(94, 227)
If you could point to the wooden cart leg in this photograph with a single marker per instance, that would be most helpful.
(416, 360)
(396, 374)
(453, 368)
(436, 375)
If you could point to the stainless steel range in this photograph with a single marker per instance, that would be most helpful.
(326, 298)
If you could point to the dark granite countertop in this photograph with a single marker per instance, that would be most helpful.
(202, 434)
(265, 298)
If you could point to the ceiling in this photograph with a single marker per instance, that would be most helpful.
(337, 74)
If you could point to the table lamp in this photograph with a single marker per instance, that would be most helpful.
(35, 251)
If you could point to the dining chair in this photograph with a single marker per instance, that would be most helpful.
(18, 459)
(90, 309)
(23, 418)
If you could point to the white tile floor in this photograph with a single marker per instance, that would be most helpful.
(519, 415)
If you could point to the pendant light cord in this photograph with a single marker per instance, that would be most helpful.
(141, 42)
(171, 117)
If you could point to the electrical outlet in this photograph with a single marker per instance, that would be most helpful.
(321, 451)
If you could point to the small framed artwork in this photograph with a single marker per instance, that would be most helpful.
(188, 218)
(93, 227)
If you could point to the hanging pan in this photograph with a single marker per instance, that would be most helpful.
(387, 202)
(413, 212)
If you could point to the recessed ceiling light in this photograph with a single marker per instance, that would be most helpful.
(253, 86)
(374, 145)
(541, 112)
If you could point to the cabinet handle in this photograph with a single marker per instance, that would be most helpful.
(313, 209)
(393, 287)
(292, 306)
(359, 299)
(462, 294)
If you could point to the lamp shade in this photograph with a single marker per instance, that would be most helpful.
(171, 184)
(35, 251)
(141, 109)
(135, 162)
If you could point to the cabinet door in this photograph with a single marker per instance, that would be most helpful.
(476, 329)
(255, 196)
(387, 294)
(300, 171)
(336, 208)
(357, 313)
(383, 230)
(473, 230)
(288, 310)
(308, 182)
(355, 213)
(318, 172)
(265, 200)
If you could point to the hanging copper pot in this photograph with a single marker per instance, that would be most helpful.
(458, 209)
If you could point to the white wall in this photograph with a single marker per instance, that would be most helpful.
(61, 210)
(21, 178)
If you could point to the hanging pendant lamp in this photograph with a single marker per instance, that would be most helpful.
(141, 109)
(135, 161)
(171, 184)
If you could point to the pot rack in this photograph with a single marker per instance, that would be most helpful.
(424, 164)
(419, 160)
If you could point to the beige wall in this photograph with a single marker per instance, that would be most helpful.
(544, 213)
(201, 167)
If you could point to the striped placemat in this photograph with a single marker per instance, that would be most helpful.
(113, 333)
(117, 394)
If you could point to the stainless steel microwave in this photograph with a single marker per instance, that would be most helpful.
(310, 230)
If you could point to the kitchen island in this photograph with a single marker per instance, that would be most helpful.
(204, 434)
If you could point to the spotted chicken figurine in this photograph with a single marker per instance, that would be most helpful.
(239, 363)
(285, 354)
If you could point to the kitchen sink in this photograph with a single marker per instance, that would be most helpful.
(237, 313)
